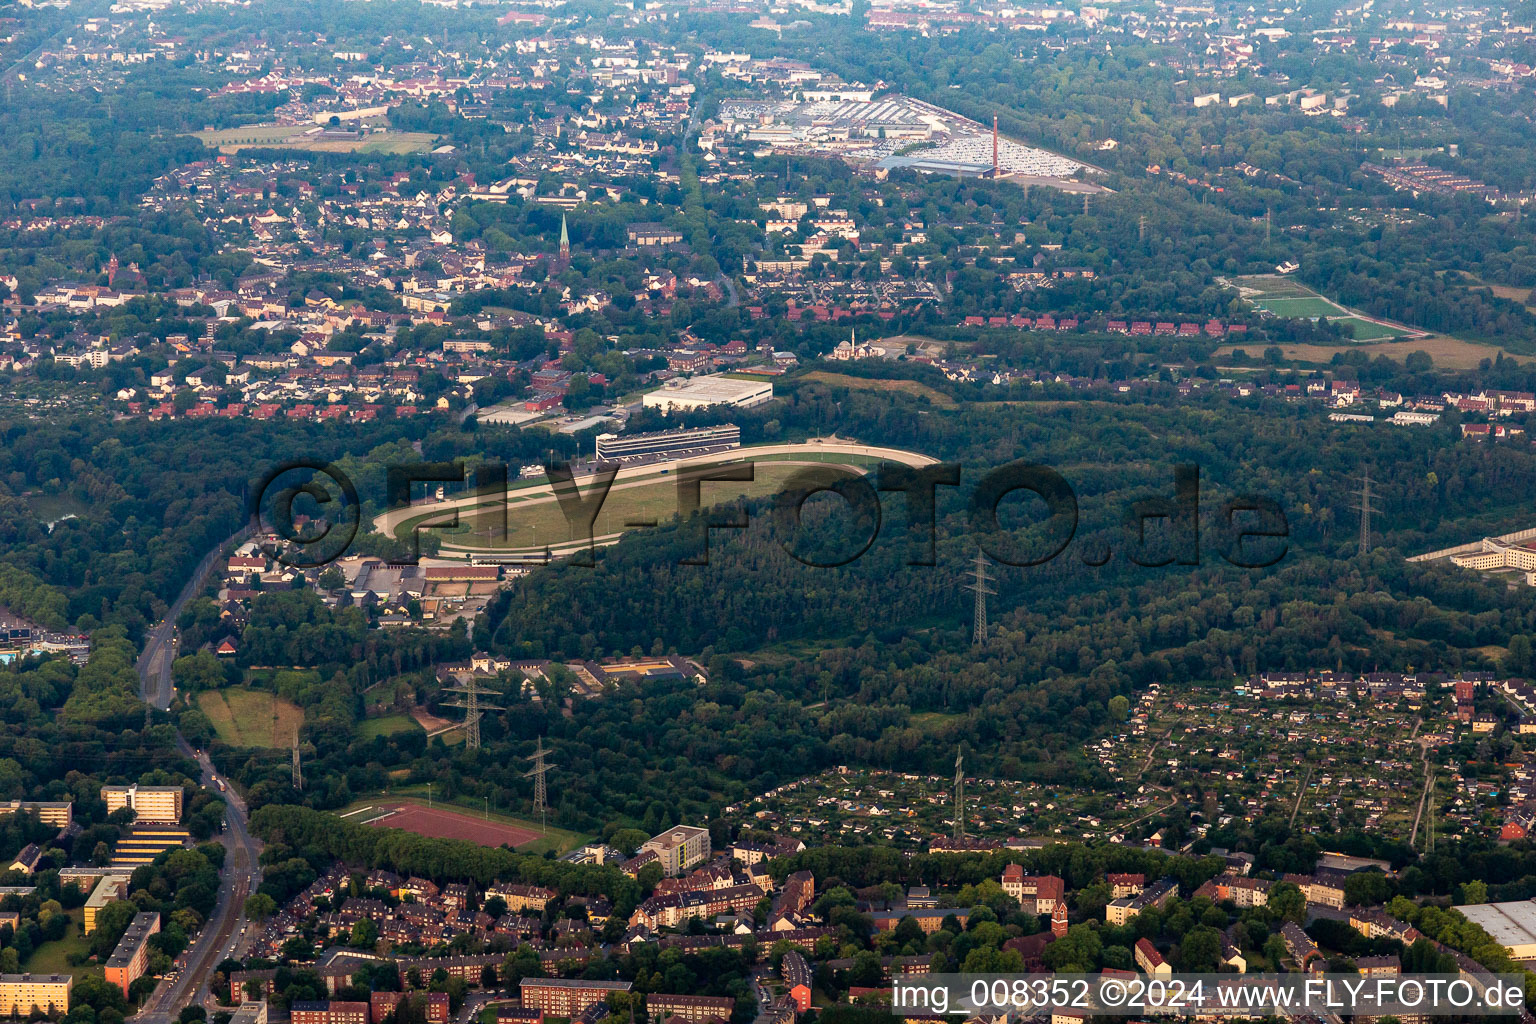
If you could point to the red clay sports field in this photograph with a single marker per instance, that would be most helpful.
(443, 824)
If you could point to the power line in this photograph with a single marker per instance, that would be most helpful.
(981, 587)
(472, 710)
(959, 795)
(541, 767)
(1365, 509)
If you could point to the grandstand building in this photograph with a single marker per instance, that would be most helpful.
(675, 443)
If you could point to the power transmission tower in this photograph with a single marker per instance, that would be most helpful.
(959, 796)
(1365, 509)
(540, 768)
(981, 587)
(1141, 228)
(472, 706)
(298, 772)
(1267, 220)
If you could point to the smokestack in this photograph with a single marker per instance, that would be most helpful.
(994, 145)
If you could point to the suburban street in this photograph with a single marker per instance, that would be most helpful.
(224, 934)
(160, 643)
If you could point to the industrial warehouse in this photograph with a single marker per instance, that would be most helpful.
(703, 392)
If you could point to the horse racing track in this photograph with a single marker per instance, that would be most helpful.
(444, 824)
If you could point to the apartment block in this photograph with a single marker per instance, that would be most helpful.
(106, 889)
(333, 1012)
(58, 813)
(694, 1009)
(1155, 895)
(149, 803)
(680, 848)
(566, 997)
(23, 994)
(129, 959)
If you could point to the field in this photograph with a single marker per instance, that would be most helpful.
(385, 725)
(531, 523)
(910, 387)
(1272, 286)
(1368, 330)
(442, 822)
(1286, 296)
(290, 136)
(1447, 352)
(1509, 292)
(52, 507)
(1503, 291)
(1302, 306)
(251, 718)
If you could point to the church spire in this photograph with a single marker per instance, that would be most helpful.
(565, 241)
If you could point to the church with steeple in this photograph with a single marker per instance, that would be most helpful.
(565, 243)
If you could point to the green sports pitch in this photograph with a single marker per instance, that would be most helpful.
(1365, 330)
(1309, 306)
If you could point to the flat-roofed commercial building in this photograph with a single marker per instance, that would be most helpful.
(21, 994)
(149, 803)
(703, 392)
(1513, 925)
(566, 997)
(680, 848)
(614, 447)
(128, 960)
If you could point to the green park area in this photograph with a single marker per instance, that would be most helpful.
(386, 725)
(56, 957)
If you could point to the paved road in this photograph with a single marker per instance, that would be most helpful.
(474, 1002)
(760, 979)
(160, 644)
(224, 935)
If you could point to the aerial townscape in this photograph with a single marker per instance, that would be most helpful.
(711, 511)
